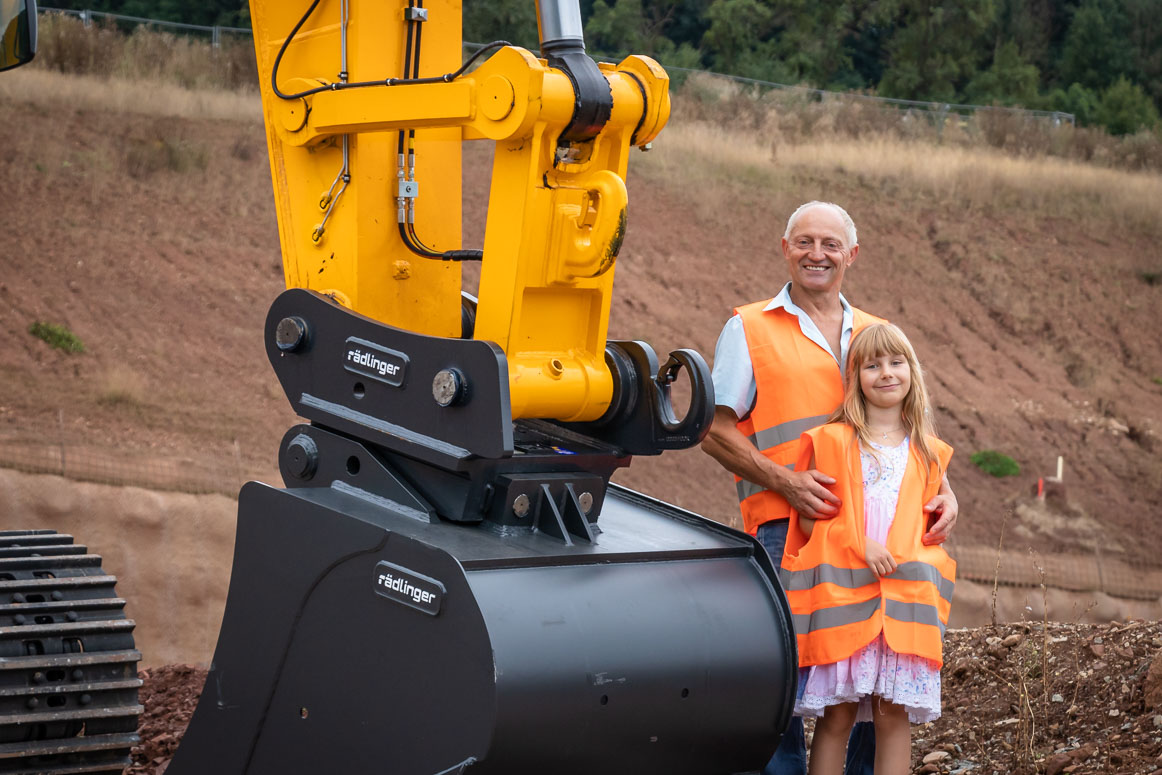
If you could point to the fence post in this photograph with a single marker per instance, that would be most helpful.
(86, 19)
(60, 421)
(216, 37)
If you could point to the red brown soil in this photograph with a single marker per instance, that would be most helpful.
(1039, 338)
(1100, 711)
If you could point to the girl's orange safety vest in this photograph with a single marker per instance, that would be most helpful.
(799, 386)
(837, 604)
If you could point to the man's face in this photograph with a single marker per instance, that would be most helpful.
(817, 252)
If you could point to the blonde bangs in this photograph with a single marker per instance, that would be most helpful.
(876, 341)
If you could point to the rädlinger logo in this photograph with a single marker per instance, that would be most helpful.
(378, 363)
(414, 590)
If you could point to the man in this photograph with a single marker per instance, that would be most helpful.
(778, 371)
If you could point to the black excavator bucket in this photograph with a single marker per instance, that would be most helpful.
(358, 639)
(410, 608)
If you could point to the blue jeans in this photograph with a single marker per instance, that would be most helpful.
(791, 756)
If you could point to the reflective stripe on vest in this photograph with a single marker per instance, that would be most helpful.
(799, 385)
(834, 596)
(854, 578)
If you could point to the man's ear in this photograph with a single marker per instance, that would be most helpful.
(850, 258)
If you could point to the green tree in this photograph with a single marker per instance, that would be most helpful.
(736, 37)
(1145, 43)
(936, 47)
(511, 20)
(630, 27)
(1095, 53)
(1124, 108)
(1010, 80)
(1078, 100)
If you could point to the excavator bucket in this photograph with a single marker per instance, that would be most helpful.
(358, 638)
(407, 606)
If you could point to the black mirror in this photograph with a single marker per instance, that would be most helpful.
(17, 32)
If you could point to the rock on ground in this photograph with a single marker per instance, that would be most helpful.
(1024, 698)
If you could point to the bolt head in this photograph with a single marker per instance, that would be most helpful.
(521, 505)
(449, 387)
(302, 457)
(290, 334)
(585, 499)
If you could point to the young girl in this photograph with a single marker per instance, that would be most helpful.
(870, 601)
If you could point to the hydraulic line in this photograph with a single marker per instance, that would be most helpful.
(445, 78)
(406, 205)
(406, 162)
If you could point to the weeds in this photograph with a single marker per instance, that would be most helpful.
(143, 158)
(997, 572)
(68, 46)
(57, 335)
(995, 463)
(791, 117)
(122, 387)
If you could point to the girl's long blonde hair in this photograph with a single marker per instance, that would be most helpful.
(876, 341)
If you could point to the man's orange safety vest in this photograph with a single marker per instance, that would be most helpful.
(799, 386)
(837, 604)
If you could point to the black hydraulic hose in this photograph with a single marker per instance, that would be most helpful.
(411, 67)
(407, 231)
(340, 86)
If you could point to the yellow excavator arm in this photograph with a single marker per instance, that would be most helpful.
(366, 105)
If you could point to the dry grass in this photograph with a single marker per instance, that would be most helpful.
(119, 95)
(120, 386)
(974, 178)
(68, 46)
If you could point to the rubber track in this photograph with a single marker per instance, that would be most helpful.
(68, 666)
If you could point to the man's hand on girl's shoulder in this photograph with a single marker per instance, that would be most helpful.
(942, 511)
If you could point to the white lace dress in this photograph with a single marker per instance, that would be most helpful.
(875, 669)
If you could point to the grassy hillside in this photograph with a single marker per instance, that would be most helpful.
(141, 219)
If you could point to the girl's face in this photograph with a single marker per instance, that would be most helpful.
(885, 381)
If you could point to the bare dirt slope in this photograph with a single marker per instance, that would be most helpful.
(155, 241)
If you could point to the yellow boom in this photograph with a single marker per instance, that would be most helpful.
(353, 93)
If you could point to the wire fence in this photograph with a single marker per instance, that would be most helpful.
(88, 17)
(936, 111)
(222, 471)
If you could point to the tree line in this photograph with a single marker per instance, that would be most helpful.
(1098, 59)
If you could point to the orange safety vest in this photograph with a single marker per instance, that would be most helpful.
(837, 604)
(799, 386)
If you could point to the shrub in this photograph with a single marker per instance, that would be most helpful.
(58, 336)
(1124, 108)
(995, 463)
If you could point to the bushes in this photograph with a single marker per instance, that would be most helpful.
(801, 116)
(68, 46)
(995, 463)
(58, 336)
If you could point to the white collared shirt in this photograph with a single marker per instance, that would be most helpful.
(734, 382)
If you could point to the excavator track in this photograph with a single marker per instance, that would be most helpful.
(68, 666)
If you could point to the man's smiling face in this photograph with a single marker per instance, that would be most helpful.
(817, 252)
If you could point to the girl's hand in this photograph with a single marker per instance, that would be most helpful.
(879, 559)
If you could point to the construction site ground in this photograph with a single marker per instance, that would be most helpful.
(154, 240)
(1099, 712)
